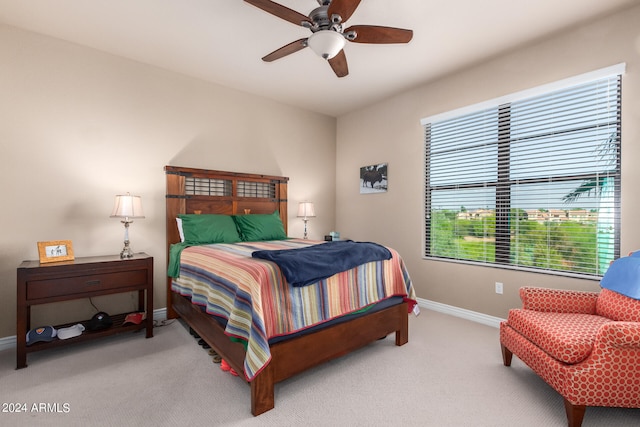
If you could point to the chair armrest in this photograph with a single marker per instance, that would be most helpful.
(558, 300)
(618, 335)
(615, 361)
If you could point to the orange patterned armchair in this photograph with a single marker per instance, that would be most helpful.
(586, 345)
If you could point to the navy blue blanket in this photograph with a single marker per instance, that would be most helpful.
(308, 265)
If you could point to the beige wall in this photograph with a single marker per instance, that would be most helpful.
(78, 126)
(390, 132)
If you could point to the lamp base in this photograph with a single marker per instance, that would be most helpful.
(126, 251)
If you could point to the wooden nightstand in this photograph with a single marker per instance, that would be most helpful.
(82, 278)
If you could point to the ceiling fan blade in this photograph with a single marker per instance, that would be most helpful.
(344, 8)
(377, 34)
(339, 64)
(286, 50)
(280, 11)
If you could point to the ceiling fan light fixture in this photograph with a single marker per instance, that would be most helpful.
(326, 43)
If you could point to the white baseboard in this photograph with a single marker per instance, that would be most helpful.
(474, 316)
(10, 342)
(161, 314)
(7, 342)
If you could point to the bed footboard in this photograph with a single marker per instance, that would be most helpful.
(296, 355)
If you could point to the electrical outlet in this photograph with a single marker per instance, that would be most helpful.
(499, 287)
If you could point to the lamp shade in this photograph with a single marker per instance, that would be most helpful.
(326, 43)
(306, 210)
(127, 206)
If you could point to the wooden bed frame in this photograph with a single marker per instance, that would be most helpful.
(204, 191)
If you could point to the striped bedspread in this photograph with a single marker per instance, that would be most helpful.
(258, 303)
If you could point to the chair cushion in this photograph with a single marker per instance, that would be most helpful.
(567, 337)
(618, 307)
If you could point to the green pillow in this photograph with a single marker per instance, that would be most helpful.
(209, 228)
(255, 227)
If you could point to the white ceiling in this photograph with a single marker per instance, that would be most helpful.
(222, 41)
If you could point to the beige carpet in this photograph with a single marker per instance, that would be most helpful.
(449, 374)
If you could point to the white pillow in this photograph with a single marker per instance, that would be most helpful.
(179, 222)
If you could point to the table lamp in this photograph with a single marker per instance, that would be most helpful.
(127, 207)
(306, 211)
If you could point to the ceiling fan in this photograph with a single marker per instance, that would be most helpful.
(328, 36)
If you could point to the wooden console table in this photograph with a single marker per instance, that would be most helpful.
(82, 278)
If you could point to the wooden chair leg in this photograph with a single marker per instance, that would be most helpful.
(575, 413)
(506, 355)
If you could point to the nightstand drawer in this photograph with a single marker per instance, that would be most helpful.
(80, 284)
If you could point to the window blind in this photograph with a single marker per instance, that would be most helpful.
(532, 183)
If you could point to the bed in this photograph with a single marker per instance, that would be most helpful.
(268, 350)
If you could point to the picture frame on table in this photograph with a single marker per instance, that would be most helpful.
(55, 251)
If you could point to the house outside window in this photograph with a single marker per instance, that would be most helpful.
(529, 181)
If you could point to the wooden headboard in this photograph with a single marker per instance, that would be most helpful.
(229, 193)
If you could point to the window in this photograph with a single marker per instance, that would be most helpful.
(529, 181)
